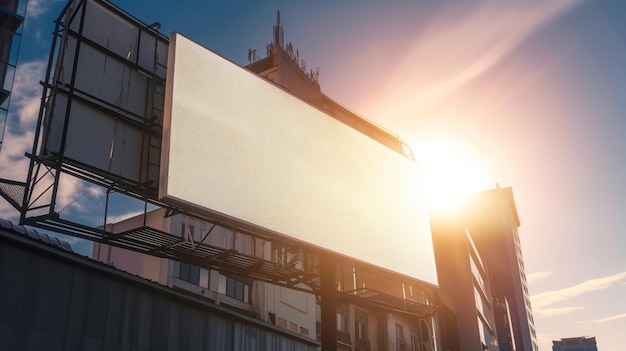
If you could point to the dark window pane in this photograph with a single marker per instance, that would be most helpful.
(184, 271)
(239, 290)
(230, 287)
(194, 274)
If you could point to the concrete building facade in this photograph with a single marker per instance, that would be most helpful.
(370, 318)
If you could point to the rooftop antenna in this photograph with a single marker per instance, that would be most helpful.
(278, 32)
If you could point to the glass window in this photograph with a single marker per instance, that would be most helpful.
(183, 232)
(415, 341)
(481, 332)
(342, 318)
(230, 287)
(400, 340)
(188, 272)
(234, 288)
(361, 324)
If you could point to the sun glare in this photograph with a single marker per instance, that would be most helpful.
(449, 175)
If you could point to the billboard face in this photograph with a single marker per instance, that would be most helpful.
(242, 149)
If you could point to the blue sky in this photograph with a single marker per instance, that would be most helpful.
(531, 94)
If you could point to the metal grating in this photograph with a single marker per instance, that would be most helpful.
(162, 244)
(391, 302)
(13, 192)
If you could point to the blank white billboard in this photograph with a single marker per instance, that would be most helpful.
(238, 147)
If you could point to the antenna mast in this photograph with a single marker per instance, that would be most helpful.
(278, 32)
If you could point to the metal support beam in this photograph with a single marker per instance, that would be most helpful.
(328, 306)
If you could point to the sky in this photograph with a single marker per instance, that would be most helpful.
(530, 95)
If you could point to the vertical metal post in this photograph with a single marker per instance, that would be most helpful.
(68, 109)
(328, 306)
(106, 209)
(30, 185)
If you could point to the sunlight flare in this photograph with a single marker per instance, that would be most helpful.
(450, 174)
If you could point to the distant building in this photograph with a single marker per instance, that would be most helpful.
(11, 18)
(575, 344)
(494, 221)
(466, 309)
(481, 275)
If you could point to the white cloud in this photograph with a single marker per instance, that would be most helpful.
(74, 193)
(554, 311)
(26, 92)
(533, 277)
(541, 302)
(19, 133)
(125, 216)
(18, 139)
(610, 318)
(37, 8)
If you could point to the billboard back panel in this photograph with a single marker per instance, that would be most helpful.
(108, 96)
(240, 148)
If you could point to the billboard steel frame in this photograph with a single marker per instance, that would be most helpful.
(41, 188)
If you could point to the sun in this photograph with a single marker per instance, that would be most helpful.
(450, 174)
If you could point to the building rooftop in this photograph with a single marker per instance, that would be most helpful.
(35, 235)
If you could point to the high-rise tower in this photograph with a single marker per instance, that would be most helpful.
(494, 221)
(11, 19)
(481, 274)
